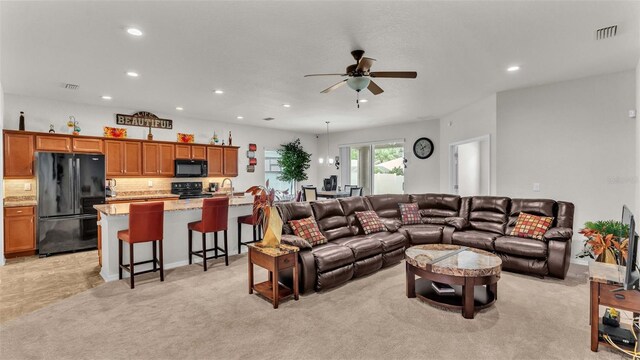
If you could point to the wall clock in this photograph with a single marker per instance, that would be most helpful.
(423, 148)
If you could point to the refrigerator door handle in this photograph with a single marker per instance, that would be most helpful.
(76, 181)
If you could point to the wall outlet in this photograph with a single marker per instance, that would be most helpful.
(27, 186)
(536, 187)
(149, 183)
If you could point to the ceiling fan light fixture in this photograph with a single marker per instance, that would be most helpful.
(358, 83)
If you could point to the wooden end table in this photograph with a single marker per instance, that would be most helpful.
(274, 260)
(472, 273)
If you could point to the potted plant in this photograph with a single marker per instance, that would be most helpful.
(294, 162)
(607, 241)
(263, 198)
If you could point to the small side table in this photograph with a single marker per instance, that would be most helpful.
(274, 260)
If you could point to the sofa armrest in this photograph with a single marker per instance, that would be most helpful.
(457, 222)
(559, 234)
(391, 224)
(296, 241)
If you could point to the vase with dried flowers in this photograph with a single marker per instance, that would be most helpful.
(263, 210)
(607, 241)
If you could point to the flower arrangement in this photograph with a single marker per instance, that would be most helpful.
(263, 199)
(607, 241)
(185, 138)
(112, 132)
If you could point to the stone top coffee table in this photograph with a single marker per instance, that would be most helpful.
(473, 274)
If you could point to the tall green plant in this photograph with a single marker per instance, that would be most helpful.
(294, 162)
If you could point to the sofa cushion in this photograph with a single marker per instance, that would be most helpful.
(370, 222)
(293, 211)
(435, 207)
(386, 206)
(390, 241)
(531, 226)
(331, 256)
(295, 241)
(350, 206)
(331, 219)
(308, 230)
(539, 207)
(488, 213)
(422, 234)
(410, 213)
(362, 247)
(474, 238)
(521, 247)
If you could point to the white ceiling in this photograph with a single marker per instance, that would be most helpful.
(259, 51)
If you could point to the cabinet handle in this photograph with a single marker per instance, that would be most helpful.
(19, 211)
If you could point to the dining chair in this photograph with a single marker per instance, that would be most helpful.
(355, 191)
(310, 193)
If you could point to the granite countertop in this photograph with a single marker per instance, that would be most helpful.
(13, 201)
(453, 260)
(171, 205)
(136, 195)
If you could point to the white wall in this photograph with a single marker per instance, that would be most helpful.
(39, 113)
(575, 139)
(420, 176)
(475, 120)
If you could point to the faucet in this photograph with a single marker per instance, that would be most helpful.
(230, 185)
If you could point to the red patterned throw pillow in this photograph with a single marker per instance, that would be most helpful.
(370, 222)
(410, 213)
(308, 230)
(531, 226)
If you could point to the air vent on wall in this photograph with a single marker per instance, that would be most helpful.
(71, 86)
(606, 32)
(269, 119)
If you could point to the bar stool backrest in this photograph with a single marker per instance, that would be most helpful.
(146, 221)
(215, 214)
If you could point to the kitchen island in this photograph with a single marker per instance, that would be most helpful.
(177, 214)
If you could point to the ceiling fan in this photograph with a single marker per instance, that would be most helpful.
(360, 75)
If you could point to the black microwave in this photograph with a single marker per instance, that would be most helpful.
(191, 168)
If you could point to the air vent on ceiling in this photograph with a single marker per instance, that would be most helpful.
(269, 119)
(606, 32)
(71, 86)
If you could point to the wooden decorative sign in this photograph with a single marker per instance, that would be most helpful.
(145, 119)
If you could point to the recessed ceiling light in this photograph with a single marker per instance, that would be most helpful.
(106, 97)
(179, 108)
(132, 73)
(134, 32)
(218, 92)
(363, 100)
(513, 68)
(239, 117)
(286, 105)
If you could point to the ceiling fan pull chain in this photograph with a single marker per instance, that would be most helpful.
(358, 99)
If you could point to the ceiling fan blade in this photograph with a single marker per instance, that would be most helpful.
(374, 88)
(365, 64)
(333, 87)
(325, 75)
(394, 74)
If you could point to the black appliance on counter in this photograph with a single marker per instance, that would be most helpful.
(188, 190)
(191, 168)
(68, 187)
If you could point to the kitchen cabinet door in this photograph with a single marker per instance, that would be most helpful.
(198, 152)
(150, 159)
(53, 143)
(166, 159)
(114, 157)
(18, 155)
(183, 151)
(19, 229)
(93, 146)
(230, 161)
(214, 161)
(132, 158)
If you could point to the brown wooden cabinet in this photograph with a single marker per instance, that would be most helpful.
(230, 160)
(123, 158)
(183, 151)
(214, 161)
(53, 143)
(18, 155)
(19, 230)
(191, 152)
(93, 146)
(157, 159)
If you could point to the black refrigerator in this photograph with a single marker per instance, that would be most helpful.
(68, 187)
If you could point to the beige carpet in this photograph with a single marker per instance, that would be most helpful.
(197, 315)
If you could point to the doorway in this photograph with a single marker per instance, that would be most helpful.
(470, 166)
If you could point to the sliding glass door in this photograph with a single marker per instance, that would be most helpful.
(376, 167)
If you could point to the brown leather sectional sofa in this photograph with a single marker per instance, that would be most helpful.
(482, 222)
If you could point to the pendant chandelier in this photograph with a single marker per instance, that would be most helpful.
(328, 160)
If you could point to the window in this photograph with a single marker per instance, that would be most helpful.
(376, 167)
(272, 172)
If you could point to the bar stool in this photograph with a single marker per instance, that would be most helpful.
(249, 220)
(145, 224)
(215, 215)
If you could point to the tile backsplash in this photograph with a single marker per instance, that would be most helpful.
(16, 187)
(158, 184)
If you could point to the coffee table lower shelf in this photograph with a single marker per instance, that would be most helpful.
(265, 289)
(483, 297)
